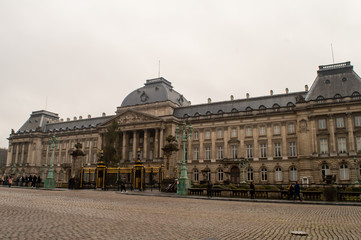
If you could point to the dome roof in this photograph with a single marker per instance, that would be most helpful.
(155, 90)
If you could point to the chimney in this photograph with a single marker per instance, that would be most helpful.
(247, 95)
(89, 116)
(286, 90)
(80, 117)
(68, 119)
(61, 120)
(74, 118)
(232, 97)
(271, 92)
(209, 100)
(104, 114)
(306, 88)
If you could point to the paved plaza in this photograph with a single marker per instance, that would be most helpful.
(89, 214)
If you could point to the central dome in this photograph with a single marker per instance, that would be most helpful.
(155, 90)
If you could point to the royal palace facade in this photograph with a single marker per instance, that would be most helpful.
(275, 139)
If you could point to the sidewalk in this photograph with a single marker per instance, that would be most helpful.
(156, 193)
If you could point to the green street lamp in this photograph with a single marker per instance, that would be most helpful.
(243, 163)
(183, 181)
(50, 182)
(356, 175)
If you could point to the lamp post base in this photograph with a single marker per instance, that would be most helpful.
(49, 181)
(183, 185)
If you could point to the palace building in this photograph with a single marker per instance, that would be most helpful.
(275, 139)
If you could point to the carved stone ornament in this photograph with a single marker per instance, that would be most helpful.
(303, 125)
(131, 117)
(144, 97)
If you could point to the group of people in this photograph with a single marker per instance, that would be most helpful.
(23, 181)
(294, 192)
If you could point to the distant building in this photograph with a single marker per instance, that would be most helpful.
(3, 155)
(293, 136)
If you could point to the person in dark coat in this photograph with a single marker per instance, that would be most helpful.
(33, 183)
(38, 182)
(290, 191)
(122, 186)
(297, 192)
(252, 190)
(209, 189)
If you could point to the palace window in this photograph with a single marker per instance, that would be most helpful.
(208, 153)
(278, 150)
(322, 124)
(87, 158)
(262, 130)
(63, 159)
(291, 128)
(340, 122)
(249, 150)
(249, 131)
(358, 144)
(323, 145)
(249, 174)
(276, 129)
(95, 142)
(263, 148)
(292, 149)
(220, 175)
(341, 144)
(95, 157)
(195, 135)
(293, 174)
(196, 153)
(207, 134)
(234, 151)
(325, 170)
(358, 121)
(234, 132)
(264, 176)
(151, 155)
(278, 174)
(220, 152)
(195, 175)
(220, 133)
(344, 172)
(130, 156)
(151, 139)
(209, 175)
(87, 143)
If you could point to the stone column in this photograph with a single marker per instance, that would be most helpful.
(242, 135)
(145, 145)
(134, 157)
(201, 140)
(284, 140)
(161, 141)
(124, 150)
(331, 128)
(213, 142)
(156, 144)
(351, 138)
(226, 139)
(269, 142)
(313, 137)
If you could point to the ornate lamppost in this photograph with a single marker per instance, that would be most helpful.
(356, 175)
(183, 181)
(243, 163)
(49, 181)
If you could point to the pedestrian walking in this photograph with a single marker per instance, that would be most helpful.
(209, 189)
(38, 182)
(252, 190)
(33, 183)
(10, 181)
(290, 191)
(122, 187)
(21, 181)
(297, 192)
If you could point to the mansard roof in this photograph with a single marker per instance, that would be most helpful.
(241, 105)
(38, 120)
(154, 90)
(333, 81)
(76, 124)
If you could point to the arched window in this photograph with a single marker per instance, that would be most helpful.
(249, 109)
(220, 175)
(325, 170)
(344, 172)
(208, 113)
(249, 174)
(337, 96)
(293, 174)
(276, 107)
(264, 176)
(195, 175)
(197, 114)
(278, 174)
(220, 112)
(234, 110)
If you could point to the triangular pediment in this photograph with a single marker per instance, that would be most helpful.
(130, 117)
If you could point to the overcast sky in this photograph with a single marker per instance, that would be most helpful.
(77, 58)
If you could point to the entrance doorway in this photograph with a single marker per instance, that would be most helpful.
(235, 175)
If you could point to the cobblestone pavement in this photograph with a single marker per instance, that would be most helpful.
(90, 214)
